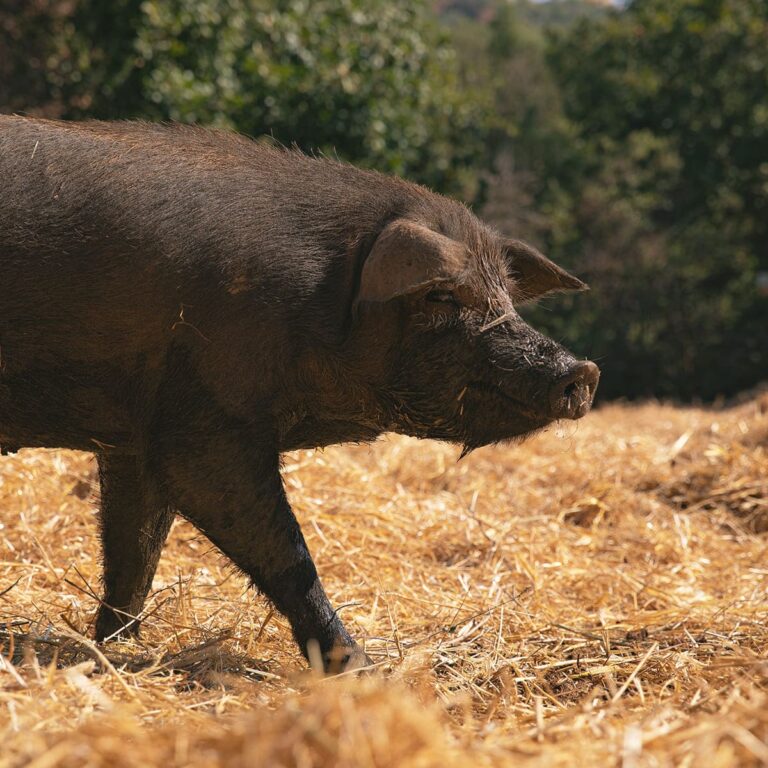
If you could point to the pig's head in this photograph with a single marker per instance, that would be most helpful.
(436, 312)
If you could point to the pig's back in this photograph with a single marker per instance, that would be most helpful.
(121, 242)
(116, 207)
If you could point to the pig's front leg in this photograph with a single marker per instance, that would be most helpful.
(234, 494)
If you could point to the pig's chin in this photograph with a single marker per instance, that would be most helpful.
(472, 442)
(481, 414)
(491, 416)
(496, 435)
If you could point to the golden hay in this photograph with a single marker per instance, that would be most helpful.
(594, 596)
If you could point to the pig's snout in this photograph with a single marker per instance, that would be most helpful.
(571, 396)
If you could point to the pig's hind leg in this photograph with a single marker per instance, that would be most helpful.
(134, 527)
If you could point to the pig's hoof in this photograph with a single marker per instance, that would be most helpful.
(346, 659)
(111, 625)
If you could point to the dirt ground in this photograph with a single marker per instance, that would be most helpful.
(594, 596)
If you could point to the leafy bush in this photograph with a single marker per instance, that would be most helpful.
(631, 145)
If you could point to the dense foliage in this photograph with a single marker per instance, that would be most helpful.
(634, 148)
(669, 210)
(370, 80)
(631, 145)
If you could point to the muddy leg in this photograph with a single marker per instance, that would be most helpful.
(134, 527)
(232, 491)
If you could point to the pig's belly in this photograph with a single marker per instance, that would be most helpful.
(65, 408)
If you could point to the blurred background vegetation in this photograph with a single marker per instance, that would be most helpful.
(629, 143)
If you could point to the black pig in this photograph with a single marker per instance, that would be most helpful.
(189, 304)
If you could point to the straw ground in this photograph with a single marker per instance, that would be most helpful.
(596, 596)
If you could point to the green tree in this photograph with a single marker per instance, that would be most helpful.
(631, 145)
(662, 194)
(373, 81)
(505, 60)
(31, 46)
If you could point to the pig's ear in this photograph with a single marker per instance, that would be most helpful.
(534, 275)
(407, 257)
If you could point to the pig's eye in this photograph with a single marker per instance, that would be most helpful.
(442, 296)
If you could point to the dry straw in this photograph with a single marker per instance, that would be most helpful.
(595, 596)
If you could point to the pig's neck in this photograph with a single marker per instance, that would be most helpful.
(328, 403)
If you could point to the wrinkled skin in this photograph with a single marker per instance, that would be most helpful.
(189, 304)
(455, 361)
(492, 381)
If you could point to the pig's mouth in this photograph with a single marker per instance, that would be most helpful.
(521, 407)
(569, 395)
(497, 416)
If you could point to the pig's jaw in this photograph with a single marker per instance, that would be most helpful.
(492, 414)
(494, 391)
(468, 446)
(483, 417)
